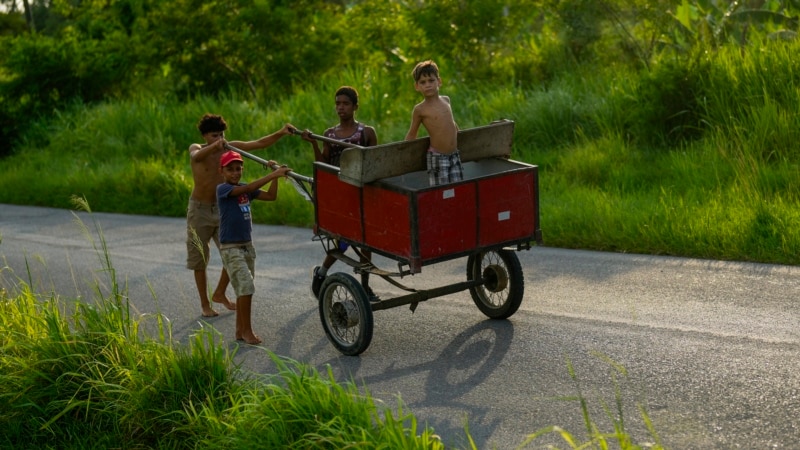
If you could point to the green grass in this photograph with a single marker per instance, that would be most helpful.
(94, 380)
(695, 157)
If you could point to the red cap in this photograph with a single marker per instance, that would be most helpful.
(229, 157)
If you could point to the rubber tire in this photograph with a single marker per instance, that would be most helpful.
(345, 313)
(501, 295)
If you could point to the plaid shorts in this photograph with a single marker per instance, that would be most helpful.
(240, 262)
(444, 168)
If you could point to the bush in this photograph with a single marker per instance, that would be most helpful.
(668, 107)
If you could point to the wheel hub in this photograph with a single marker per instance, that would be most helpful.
(344, 314)
(496, 278)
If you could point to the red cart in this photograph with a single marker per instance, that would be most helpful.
(380, 199)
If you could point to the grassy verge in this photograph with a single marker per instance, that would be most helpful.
(694, 158)
(93, 380)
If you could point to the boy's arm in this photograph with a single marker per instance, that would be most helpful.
(326, 152)
(265, 141)
(271, 193)
(319, 155)
(416, 120)
(199, 152)
(257, 184)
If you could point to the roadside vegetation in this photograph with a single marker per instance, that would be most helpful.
(95, 379)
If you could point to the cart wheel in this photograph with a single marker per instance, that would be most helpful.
(345, 313)
(500, 296)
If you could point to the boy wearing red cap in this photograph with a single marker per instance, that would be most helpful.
(235, 233)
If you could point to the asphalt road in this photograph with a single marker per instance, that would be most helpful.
(710, 350)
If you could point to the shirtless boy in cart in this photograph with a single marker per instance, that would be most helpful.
(202, 217)
(436, 115)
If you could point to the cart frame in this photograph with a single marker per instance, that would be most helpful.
(349, 206)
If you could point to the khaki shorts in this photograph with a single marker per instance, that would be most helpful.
(240, 262)
(202, 225)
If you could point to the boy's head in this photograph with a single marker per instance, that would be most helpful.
(211, 123)
(349, 92)
(229, 157)
(425, 68)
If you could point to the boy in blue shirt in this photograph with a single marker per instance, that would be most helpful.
(235, 231)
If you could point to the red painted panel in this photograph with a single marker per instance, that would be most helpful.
(446, 220)
(507, 209)
(387, 221)
(421, 224)
(338, 206)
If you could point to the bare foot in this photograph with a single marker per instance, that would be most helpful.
(209, 312)
(224, 300)
(252, 339)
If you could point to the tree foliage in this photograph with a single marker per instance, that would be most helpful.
(54, 52)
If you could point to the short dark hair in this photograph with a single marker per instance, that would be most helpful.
(425, 68)
(210, 123)
(350, 92)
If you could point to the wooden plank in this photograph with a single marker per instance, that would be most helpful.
(359, 166)
(493, 140)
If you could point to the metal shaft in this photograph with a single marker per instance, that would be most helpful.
(265, 163)
(327, 139)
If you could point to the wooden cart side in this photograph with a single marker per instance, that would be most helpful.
(360, 166)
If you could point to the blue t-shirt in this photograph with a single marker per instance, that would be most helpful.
(235, 221)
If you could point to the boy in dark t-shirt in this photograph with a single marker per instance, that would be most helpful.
(350, 131)
(235, 233)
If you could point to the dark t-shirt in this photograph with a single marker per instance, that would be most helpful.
(235, 221)
(359, 137)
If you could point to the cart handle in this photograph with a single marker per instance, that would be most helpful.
(326, 139)
(266, 163)
(295, 179)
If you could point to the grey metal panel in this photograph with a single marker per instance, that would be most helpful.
(367, 164)
(418, 180)
(488, 141)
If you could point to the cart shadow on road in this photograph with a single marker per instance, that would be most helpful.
(468, 361)
(464, 364)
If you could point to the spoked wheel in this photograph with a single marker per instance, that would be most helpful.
(501, 294)
(345, 313)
